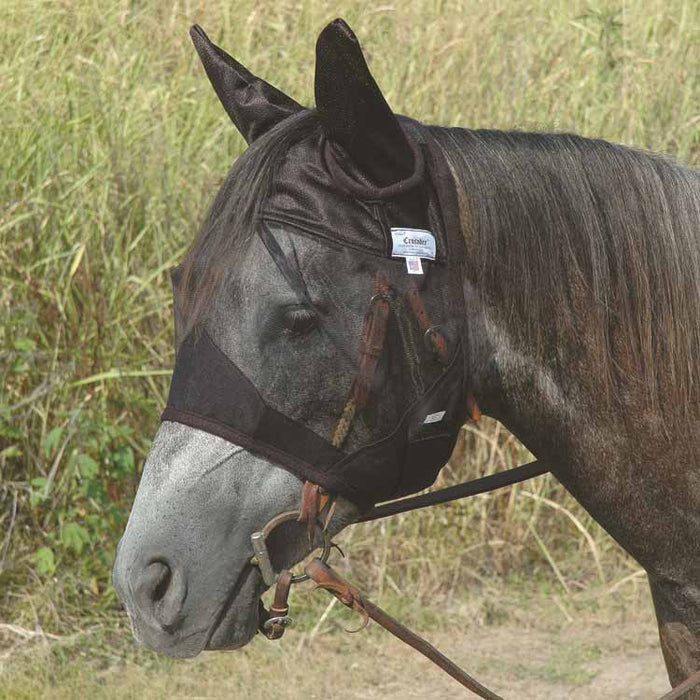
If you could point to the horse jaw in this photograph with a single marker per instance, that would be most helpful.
(182, 568)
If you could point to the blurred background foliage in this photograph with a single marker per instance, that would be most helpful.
(112, 146)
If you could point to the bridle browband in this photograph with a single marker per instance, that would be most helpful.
(317, 506)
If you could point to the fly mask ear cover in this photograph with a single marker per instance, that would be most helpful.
(318, 200)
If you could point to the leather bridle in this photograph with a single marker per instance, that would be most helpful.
(317, 506)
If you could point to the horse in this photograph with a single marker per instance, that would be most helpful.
(564, 276)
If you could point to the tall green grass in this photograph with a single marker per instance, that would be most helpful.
(112, 146)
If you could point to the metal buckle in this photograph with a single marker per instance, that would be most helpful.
(429, 333)
(430, 339)
(261, 557)
(282, 620)
(382, 296)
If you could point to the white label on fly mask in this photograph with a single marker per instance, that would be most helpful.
(412, 243)
(414, 266)
(435, 417)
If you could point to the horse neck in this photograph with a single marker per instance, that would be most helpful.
(627, 469)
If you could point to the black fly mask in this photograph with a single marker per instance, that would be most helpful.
(376, 191)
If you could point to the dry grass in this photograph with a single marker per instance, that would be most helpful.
(570, 653)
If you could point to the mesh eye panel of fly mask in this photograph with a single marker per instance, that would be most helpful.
(369, 337)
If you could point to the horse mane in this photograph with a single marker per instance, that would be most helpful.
(565, 236)
(576, 241)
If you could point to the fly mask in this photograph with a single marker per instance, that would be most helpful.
(374, 193)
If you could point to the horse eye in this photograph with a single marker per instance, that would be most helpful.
(299, 321)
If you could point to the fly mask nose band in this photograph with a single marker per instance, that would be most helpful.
(420, 338)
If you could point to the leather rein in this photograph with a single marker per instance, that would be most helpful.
(317, 506)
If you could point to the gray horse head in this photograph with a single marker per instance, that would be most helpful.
(275, 351)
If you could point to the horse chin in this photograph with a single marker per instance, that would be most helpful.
(237, 622)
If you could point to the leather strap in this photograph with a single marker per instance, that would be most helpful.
(327, 578)
(348, 595)
(273, 623)
(313, 500)
(686, 686)
(452, 493)
(436, 338)
(372, 340)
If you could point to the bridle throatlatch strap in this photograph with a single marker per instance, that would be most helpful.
(325, 577)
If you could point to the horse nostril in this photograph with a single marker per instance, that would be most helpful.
(162, 578)
(155, 581)
(161, 593)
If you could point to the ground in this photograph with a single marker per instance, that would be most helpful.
(597, 644)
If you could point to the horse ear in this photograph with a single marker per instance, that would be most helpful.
(353, 110)
(253, 105)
